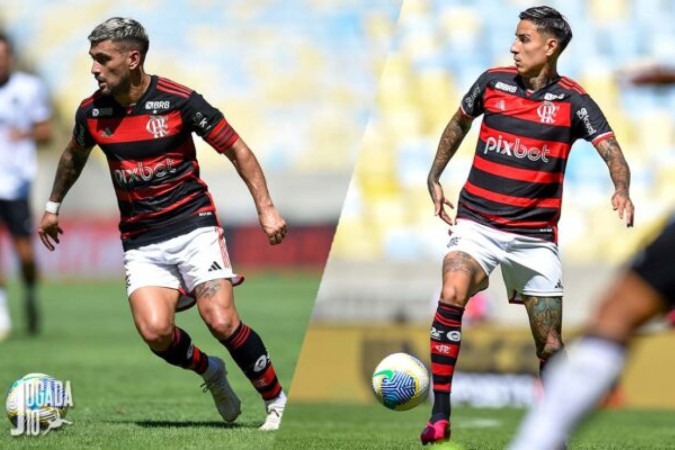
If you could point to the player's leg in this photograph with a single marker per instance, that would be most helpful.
(462, 277)
(215, 301)
(153, 290)
(545, 316)
(29, 276)
(18, 217)
(533, 274)
(574, 386)
(5, 320)
(208, 275)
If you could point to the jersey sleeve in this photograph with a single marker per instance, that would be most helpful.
(588, 121)
(472, 103)
(81, 135)
(209, 123)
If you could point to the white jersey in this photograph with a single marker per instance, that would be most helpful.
(24, 101)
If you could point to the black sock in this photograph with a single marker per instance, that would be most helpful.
(250, 354)
(183, 353)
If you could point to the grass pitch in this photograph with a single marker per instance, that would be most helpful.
(374, 427)
(124, 396)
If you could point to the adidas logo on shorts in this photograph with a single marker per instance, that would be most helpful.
(215, 266)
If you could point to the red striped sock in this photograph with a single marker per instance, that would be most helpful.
(183, 353)
(445, 340)
(248, 351)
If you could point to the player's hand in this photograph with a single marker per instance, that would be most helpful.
(273, 225)
(621, 202)
(440, 202)
(49, 230)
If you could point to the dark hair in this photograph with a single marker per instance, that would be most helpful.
(124, 30)
(550, 21)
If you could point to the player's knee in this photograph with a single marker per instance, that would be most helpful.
(222, 325)
(157, 335)
(451, 295)
(550, 348)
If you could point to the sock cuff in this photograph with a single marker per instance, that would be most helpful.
(450, 308)
(236, 339)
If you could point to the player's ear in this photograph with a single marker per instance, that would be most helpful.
(552, 46)
(134, 59)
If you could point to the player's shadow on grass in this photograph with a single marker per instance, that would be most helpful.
(186, 424)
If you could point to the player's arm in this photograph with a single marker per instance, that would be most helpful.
(68, 171)
(611, 153)
(452, 137)
(40, 132)
(249, 170)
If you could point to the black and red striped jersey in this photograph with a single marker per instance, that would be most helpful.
(516, 179)
(152, 158)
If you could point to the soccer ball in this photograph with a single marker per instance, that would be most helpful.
(401, 381)
(38, 394)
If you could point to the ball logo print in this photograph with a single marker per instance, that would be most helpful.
(37, 404)
(400, 382)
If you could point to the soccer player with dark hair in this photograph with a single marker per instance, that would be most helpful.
(645, 289)
(509, 207)
(25, 123)
(172, 239)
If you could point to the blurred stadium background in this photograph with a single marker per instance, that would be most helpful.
(296, 78)
(382, 280)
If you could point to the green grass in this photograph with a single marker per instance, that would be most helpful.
(125, 397)
(374, 427)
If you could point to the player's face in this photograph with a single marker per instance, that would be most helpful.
(110, 67)
(5, 61)
(531, 50)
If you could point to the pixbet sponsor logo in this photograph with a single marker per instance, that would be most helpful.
(583, 115)
(126, 177)
(501, 146)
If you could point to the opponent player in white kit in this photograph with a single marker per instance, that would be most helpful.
(25, 113)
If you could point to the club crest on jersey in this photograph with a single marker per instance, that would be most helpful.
(157, 126)
(547, 112)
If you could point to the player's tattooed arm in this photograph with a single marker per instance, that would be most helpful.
(450, 141)
(69, 169)
(611, 153)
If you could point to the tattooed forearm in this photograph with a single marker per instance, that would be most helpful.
(611, 152)
(452, 137)
(68, 171)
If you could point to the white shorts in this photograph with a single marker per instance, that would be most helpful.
(530, 266)
(180, 263)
